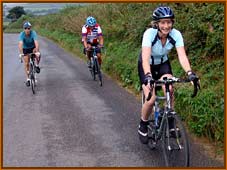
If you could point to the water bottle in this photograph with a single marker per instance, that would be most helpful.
(156, 115)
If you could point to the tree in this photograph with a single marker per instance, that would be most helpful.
(16, 13)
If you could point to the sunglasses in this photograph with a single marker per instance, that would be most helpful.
(28, 28)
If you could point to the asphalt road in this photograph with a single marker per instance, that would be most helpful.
(71, 121)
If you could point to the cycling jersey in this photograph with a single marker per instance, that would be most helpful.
(28, 42)
(158, 51)
(92, 34)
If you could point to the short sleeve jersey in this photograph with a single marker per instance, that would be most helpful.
(158, 51)
(92, 34)
(28, 42)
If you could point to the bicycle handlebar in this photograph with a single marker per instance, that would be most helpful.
(173, 80)
(30, 54)
(94, 48)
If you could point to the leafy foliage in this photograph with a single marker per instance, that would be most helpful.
(16, 13)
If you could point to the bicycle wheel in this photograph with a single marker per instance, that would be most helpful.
(92, 69)
(32, 78)
(98, 72)
(175, 144)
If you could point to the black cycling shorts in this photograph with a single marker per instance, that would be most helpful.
(157, 71)
(28, 50)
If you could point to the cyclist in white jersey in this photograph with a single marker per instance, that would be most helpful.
(153, 61)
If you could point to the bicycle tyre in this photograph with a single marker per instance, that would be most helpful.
(33, 85)
(175, 157)
(92, 69)
(32, 78)
(98, 72)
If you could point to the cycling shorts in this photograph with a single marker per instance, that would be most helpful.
(28, 50)
(157, 71)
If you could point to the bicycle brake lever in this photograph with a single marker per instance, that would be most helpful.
(194, 93)
(196, 87)
(149, 96)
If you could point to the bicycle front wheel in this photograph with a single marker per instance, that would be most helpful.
(175, 143)
(92, 69)
(32, 77)
(33, 85)
(98, 72)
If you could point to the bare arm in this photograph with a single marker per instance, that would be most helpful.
(36, 46)
(146, 54)
(183, 59)
(20, 46)
(101, 40)
(84, 41)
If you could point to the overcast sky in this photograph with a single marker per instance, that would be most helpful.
(13, 4)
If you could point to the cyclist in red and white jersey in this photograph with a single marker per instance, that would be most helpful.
(92, 36)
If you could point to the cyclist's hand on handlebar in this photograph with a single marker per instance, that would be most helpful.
(195, 81)
(37, 53)
(100, 46)
(87, 49)
(148, 79)
(21, 55)
(192, 76)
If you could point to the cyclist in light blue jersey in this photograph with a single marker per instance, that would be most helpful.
(153, 63)
(28, 44)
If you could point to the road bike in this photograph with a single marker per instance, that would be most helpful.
(165, 126)
(32, 72)
(95, 67)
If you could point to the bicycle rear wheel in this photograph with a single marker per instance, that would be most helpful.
(175, 144)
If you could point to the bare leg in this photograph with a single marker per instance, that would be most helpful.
(26, 66)
(148, 105)
(99, 58)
